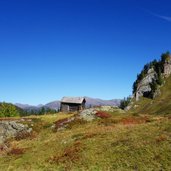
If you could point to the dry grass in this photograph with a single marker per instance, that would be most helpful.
(121, 142)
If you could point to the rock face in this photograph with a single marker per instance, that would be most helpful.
(167, 67)
(10, 129)
(144, 85)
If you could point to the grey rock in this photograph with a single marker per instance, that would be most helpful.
(144, 85)
(88, 114)
(10, 129)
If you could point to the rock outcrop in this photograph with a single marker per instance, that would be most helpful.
(144, 85)
(10, 129)
(156, 71)
(88, 114)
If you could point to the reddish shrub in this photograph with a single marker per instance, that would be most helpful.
(71, 153)
(134, 120)
(22, 135)
(16, 151)
(102, 114)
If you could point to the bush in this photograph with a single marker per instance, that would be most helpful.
(8, 110)
(165, 57)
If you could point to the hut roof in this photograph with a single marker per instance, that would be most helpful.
(77, 100)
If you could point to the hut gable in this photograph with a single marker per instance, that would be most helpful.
(72, 104)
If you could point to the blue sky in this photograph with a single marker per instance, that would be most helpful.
(55, 48)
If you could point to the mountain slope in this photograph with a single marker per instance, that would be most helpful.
(159, 105)
(53, 105)
(99, 102)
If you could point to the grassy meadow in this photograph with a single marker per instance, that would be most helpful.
(121, 142)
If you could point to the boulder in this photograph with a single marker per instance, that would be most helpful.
(10, 129)
(88, 114)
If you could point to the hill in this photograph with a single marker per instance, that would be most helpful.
(151, 90)
(8, 110)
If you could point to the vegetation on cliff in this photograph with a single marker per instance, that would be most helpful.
(158, 67)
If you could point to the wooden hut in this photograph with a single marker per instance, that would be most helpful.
(72, 104)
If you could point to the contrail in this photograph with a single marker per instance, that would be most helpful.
(166, 18)
(163, 17)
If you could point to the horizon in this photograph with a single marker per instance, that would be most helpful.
(95, 48)
(58, 100)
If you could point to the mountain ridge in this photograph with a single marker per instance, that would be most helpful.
(90, 102)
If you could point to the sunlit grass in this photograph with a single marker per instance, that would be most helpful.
(122, 142)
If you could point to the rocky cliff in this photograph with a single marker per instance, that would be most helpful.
(148, 82)
(144, 85)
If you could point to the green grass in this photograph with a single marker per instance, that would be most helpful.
(122, 142)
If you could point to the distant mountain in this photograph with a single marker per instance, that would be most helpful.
(99, 102)
(56, 104)
(53, 105)
(28, 107)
